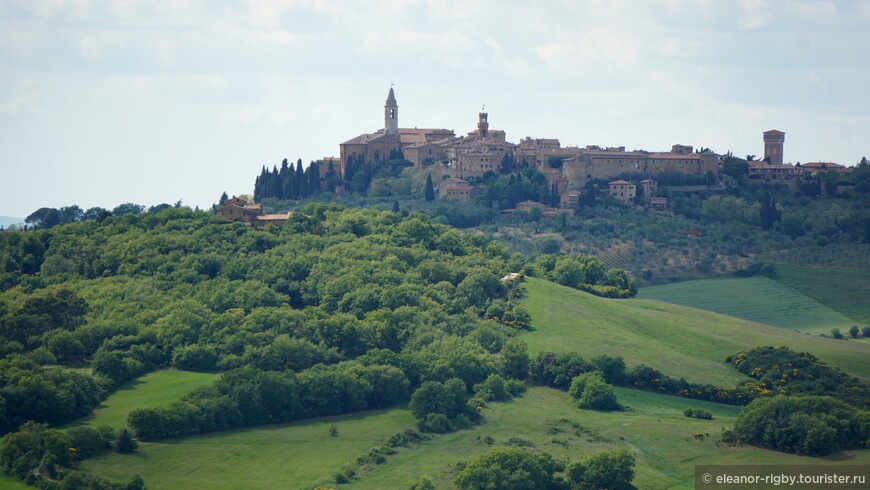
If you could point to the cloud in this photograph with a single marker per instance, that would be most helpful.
(405, 40)
(755, 15)
(27, 99)
(492, 43)
(812, 8)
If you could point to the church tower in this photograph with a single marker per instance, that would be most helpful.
(482, 125)
(391, 114)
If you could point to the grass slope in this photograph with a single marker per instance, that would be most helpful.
(677, 340)
(756, 299)
(299, 455)
(844, 289)
(653, 428)
(7, 483)
(156, 389)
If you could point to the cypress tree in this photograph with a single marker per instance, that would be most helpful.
(300, 180)
(430, 189)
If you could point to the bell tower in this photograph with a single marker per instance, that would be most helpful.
(482, 124)
(391, 114)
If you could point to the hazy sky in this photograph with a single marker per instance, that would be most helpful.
(155, 101)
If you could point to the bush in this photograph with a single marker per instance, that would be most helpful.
(592, 393)
(508, 467)
(124, 442)
(88, 441)
(613, 470)
(698, 413)
(496, 388)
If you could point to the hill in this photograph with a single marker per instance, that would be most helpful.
(677, 340)
(9, 220)
(756, 299)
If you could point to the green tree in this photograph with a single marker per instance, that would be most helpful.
(430, 189)
(613, 470)
(124, 442)
(592, 392)
(509, 467)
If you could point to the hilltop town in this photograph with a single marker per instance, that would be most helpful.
(454, 162)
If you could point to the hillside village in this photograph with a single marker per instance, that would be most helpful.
(455, 162)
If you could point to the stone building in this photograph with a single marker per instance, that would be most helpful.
(391, 141)
(623, 190)
(773, 143)
(238, 209)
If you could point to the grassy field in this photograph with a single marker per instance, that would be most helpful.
(653, 428)
(845, 289)
(299, 455)
(302, 455)
(677, 340)
(7, 483)
(757, 299)
(155, 389)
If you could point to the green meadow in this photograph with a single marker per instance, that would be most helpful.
(845, 289)
(303, 455)
(156, 389)
(298, 455)
(678, 340)
(652, 427)
(756, 299)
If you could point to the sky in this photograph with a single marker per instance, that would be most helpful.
(106, 102)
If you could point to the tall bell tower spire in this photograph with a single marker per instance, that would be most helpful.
(391, 114)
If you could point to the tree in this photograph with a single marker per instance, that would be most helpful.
(592, 392)
(733, 166)
(430, 189)
(814, 425)
(223, 198)
(613, 470)
(509, 467)
(854, 331)
(124, 442)
(43, 218)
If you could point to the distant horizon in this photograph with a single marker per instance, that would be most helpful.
(146, 102)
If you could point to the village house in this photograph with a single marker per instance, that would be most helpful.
(238, 209)
(623, 190)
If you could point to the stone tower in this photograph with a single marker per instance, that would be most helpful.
(773, 142)
(391, 114)
(482, 125)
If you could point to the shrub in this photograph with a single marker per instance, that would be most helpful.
(698, 413)
(592, 392)
(613, 470)
(508, 467)
(124, 442)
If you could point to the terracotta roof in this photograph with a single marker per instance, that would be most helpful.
(274, 217)
(619, 182)
(830, 165)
